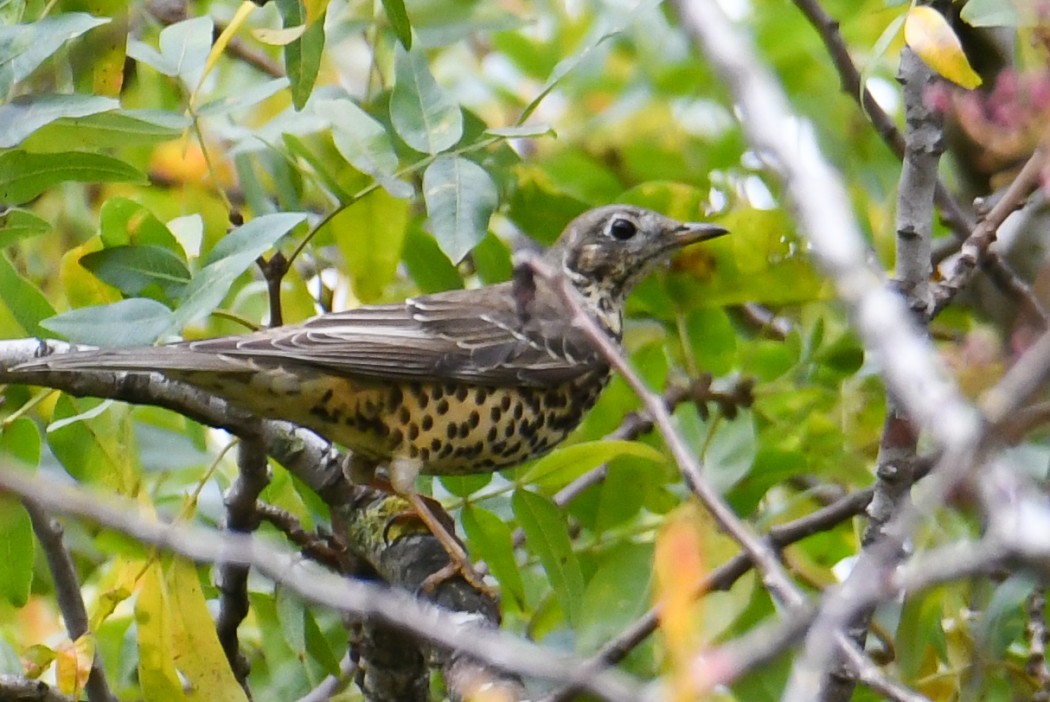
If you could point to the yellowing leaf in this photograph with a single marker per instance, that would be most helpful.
(73, 665)
(678, 566)
(932, 38)
(158, 678)
(195, 644)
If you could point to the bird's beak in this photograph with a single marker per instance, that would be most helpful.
(693, 232)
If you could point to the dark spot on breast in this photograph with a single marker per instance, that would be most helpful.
(424, 454)
(519, 411)
(437, 392)
(413, 431)
(480, 395)
(464, 430)
(396, 437)
(461, 393)
(326, 396)
(495, 413)
(403, 415)
(504, 403)
(508, 430)
(413, 451)
(493, 433)
(442, 406)
(474, 419)
(435, 444)
(396, 396)
(428, 422)
(450, 430)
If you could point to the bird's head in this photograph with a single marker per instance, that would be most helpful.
(608, 250)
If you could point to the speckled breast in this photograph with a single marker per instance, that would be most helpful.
(454, 428)
(451, 428)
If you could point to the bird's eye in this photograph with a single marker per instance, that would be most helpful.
(622, 229)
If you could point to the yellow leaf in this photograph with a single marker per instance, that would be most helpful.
(73, 665)
(279, 37)
(932, 38)
(154, 613)
(195, 644)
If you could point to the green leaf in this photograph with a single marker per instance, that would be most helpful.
(427, 263)
(617, 594)
(131, 268)
(364, 143)
(564, 465)
(184, 48)
(522, 131)
(996, 13)
(370, 234)
(28, 113)
(302, 57)
(423, 114)
(109, 129)
(547, 535)
(25, 46)
(16, 552)
(23, 300)
(16, 224)
(563, 69)
(242, 99)
(232, 256)
(20, 440)
(23, 175)
(491, 539)
(134, 322)
(126, 222)
(712, 340)
(395, 12)
(254, 238)
(460, 198)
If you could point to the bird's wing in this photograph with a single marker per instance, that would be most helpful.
(474, 336)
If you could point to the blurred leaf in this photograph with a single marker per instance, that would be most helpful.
(364, 143)
(28, 113)
(155, 629)
(133, 322)
(492, 260)
(18, 224)
(195, 643)
(564, 465)
(712, 340)
(491, 539)
(123, 222)
(423, 114)
(20, 440)
(677, 568)
(302, 57)
(24, 301)
(616, 596)
(243, 99)
(996, 13)
(547, 536)
(184, 48)
(132, 268)
(16, 550)
(522, 131)
(395, 12)
(933, 39)
(26, 46)
(920, 631)
(369, 234)
(461, 198)
(109, 129)
(73, 665)
(23, 175)
(427, 263)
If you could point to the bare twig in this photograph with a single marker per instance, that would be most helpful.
(67, 594)
(313, 583)
(240, 500)
(773, 574)
(19, 689)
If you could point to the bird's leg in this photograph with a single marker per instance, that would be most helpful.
(403, 473)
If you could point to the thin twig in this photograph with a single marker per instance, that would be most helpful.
(774, 576)
(317, 585)
(67, 593)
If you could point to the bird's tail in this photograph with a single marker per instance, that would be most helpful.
(162, 359)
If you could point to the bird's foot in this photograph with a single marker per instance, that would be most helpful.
(459, 562)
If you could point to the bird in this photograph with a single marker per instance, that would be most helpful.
(451, 383)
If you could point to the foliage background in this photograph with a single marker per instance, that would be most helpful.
(131, 152)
